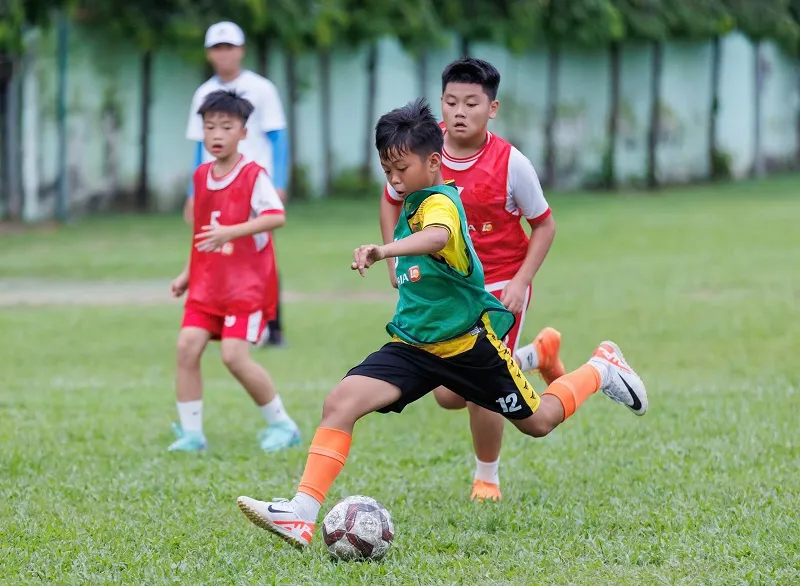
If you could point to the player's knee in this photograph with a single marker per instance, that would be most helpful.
(190, 349)
(234, 356)
(338, 405)
(447, 399)
(535, 426)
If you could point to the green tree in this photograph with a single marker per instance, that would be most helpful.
(649, 21)
(761, 20)
(16, 15)
(150, 25)
(522, 24)
(705, 20)
(330, 19)
(12, 20)
(582, 23)
(293, 24)
(476, 21)
(418, 28)
(367, 23)
(794, 51)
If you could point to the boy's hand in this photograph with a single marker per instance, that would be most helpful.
(513, 296)
(180, 284)
(212, 237)
(366, 256)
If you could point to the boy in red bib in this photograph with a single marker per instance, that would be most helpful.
(231, 295)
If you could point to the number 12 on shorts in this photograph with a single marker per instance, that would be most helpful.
(509, 404)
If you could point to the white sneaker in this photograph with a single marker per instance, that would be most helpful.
(619, 381)
(279, 517)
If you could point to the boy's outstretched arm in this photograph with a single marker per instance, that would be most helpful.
(428, 241)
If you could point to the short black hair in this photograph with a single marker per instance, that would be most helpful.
(226, 102)
(410, 128)
(471, 70)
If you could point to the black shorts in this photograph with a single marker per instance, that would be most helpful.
(485, 375)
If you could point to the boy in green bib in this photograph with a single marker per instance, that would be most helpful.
(446, 331)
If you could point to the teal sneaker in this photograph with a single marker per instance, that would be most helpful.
(188, 441)
(279, 436)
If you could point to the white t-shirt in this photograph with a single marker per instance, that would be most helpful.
(267, 115)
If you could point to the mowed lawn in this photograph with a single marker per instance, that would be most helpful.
(699, 287)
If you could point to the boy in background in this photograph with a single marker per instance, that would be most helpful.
(230, 294)
(267, 141)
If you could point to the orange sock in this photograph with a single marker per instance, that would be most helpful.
(326, 458)
(575, 387)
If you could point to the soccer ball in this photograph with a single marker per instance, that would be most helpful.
(358, 528)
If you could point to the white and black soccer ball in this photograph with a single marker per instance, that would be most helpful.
(358, 528)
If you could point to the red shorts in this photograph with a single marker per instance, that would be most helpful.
(512, 339)
(240, 327)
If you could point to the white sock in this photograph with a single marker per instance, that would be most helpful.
(191, 415)
(274, 412)
(488, 471)
(306, 506)
(528, 358)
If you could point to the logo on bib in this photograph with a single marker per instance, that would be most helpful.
(487, 227)
(413, 275)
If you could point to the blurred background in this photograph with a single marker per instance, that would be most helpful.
(95, 95)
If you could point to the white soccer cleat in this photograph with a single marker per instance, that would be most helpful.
(279, 517)
(619, 381)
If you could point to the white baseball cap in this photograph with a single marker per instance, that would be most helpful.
(224, 33)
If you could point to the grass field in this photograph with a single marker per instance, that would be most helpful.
(699, 287)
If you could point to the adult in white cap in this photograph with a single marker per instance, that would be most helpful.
(267, 141)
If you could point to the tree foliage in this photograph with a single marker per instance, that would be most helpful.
(524, 25)
(365, 23)
(416, 24)
(149, 24)
(645, 20)
(586, 23)
(765, 19)
(794, 46)
(15, 15)
(699, 19)
(476, 20)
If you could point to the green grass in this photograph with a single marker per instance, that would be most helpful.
(699, 287)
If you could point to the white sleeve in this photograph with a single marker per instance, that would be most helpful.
(524, 190)
(265, 200)
(272, 116)
(194, 129)
(390, 194)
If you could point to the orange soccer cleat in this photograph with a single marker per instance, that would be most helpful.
(485, 491)
(547, 345)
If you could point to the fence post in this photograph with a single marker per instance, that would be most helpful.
(30, 138)
(12, 146)
(62, 207)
